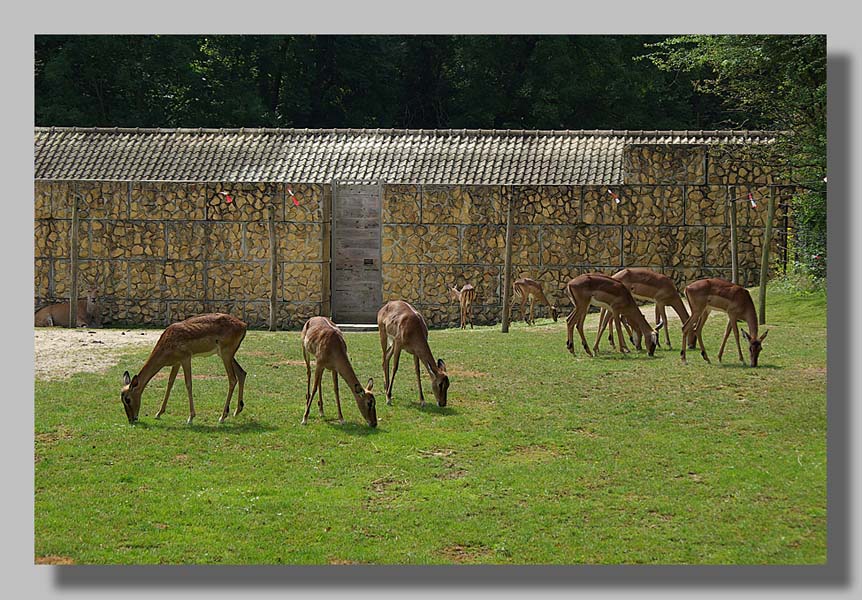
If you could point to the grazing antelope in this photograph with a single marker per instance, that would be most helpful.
(605, 292)
(647, 285)
(465, 297)
(58, 314)
(531, 289)
(325, 342)
(213, 333)
(401, 327)
(734, 300)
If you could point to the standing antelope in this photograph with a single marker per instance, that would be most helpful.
(647, 285)
(531, 289)
(58, 314)
(323, 340)
(605, 292)
(401, 327)
(465, 297)
(213, 333)
(734, 300)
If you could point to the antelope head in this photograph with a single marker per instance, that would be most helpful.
(652, 338)
(754, 345)
(454, 293)
(554, 312)
(130, 395)
(365, 402)
(440, 383)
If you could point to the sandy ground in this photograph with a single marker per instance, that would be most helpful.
(60, 352)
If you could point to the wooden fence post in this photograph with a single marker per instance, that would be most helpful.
(734, 257)
(507, 266)
(764, 260)
(73, 265)
(273, 270)
(326, 252)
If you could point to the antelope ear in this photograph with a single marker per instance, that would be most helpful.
(370, 385)
(746, 336)
(135, 381)
(659, 326)
(763, 337)
(441, 364)
(126, 379)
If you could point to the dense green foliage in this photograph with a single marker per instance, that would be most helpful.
(775, 82)
(442, 81)
(541, 457)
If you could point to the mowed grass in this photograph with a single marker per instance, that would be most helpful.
(541, 457)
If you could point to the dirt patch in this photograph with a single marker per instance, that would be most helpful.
(456, 372)
(59, 353)
(532, 453)
(287, 363)
(54, 560)
(52, 437)
(341, 561)
(466, 553)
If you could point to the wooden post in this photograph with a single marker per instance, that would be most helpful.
(734, 258)
(73, 265)
(326, 252)
(273, 270)
(507, 266)
(764, 259)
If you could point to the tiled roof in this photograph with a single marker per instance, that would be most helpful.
(436, 156)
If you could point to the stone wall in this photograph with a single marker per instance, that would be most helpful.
(673, 216)
(161, 252)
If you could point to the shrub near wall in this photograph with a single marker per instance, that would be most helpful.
(161, 252)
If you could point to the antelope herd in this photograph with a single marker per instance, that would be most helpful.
(402, 327)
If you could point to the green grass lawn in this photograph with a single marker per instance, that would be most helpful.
(540, 457)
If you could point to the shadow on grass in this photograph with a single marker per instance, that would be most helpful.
(352, 428)
(739, 365)
(432, 408)
(235, 427)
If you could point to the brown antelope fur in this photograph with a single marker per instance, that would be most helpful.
(604, 291)
(325, 342)
(401, 327)
(647, 285)
(709, 294)
(58, 314)
(203, 335)
(464, 297)
(529, 289)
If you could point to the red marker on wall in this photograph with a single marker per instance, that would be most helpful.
(616, 196)
(292, 197)
(751, 198)
(227, 197)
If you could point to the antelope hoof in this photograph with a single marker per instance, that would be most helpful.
(189, 422)
(304, 421)
(705, 357)
(625, 351)
(341, 421)
(222, 418)
(570, 347)
(389, 401)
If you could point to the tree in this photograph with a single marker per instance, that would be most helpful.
(772, 82)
